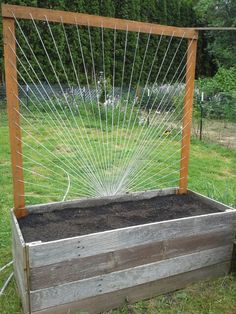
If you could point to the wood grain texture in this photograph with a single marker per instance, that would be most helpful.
(233, 261)
(82, 268)
(108, 301)
(13, 115)
(100, 201)
(97, 243)
(23, 12)
(187, 115)
(209, 201)
(115, 281)
(19, 264)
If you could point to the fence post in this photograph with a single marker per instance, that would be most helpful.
(201, 116)
(27, 95)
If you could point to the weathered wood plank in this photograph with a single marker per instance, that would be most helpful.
(19, 263)
(107, 301)
(115, 281)
(233, 260)
(112, 240)
(81, 268)
(100, 201)
(23, 12)
(209, 201)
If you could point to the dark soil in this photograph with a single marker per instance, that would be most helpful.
(74, 222)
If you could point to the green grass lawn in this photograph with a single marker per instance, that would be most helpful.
(212, 172)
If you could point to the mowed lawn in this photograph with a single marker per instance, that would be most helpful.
(212, 172)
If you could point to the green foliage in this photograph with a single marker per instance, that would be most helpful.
(166, 12)
(223, 81)
(163, 99)
(215, 49)
(120, 115)
(180, 13)
(86, 113)
(220, 94)
(157, 100)
(221, 44)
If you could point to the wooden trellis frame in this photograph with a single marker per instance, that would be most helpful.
(10, 12)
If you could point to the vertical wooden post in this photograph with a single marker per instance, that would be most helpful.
(13, 115)
(187, 114)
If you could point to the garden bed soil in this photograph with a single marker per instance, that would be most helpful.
(68, 223)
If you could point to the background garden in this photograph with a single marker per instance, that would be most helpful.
(213, 160)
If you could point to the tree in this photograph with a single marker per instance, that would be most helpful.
(107, 8)
(76, 72)
(221, 44)
(173, 12)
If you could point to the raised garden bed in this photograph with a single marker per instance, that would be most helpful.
(95, 254)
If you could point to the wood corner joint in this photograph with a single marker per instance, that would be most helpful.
(21, 212)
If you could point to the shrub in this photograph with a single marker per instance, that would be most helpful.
(220, 94)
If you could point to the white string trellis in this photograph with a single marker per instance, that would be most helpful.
(126, 137)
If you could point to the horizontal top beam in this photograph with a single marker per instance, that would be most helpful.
(23, 12)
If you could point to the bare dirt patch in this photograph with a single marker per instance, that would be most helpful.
(74, 222)
(221, 132)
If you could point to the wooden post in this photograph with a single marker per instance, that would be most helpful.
(187, 115)
(13, 115)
